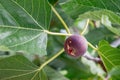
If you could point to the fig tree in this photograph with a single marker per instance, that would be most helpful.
(75, 45)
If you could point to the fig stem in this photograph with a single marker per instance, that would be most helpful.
(59, 34)
(60, 18)
(107, 77)
(92, 46)
(51, 59)
(89, 57)
(86, 26)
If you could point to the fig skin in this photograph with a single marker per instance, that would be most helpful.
(75, 45)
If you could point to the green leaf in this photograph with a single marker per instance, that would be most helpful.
(94, 10)
(43, 75)
(53, 2)
(97, 15)
(39, 10)
(19, 68)
(76, 69)
(110, 56)
(23, 39)
(115, 73)
(107, 23)
(101, 4)
(106, 17)
(22, 23)
(54, 75)
(75, 10)
(82, 6)
(102, 32)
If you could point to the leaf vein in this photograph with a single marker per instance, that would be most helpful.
(19, 75)
(25, 41)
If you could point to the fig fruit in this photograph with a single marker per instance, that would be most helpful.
(75, 45)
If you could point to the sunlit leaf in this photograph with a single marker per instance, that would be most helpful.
(110, 56)
(22, 23)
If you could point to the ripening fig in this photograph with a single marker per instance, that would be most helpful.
(75, 45)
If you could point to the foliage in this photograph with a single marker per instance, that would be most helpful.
(33, 32)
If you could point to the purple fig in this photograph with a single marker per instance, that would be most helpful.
(75, 45)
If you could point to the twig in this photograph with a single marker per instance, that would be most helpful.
(58, 34)
(92, 46)
(51, 59)
(60, 18)
(86, 26)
